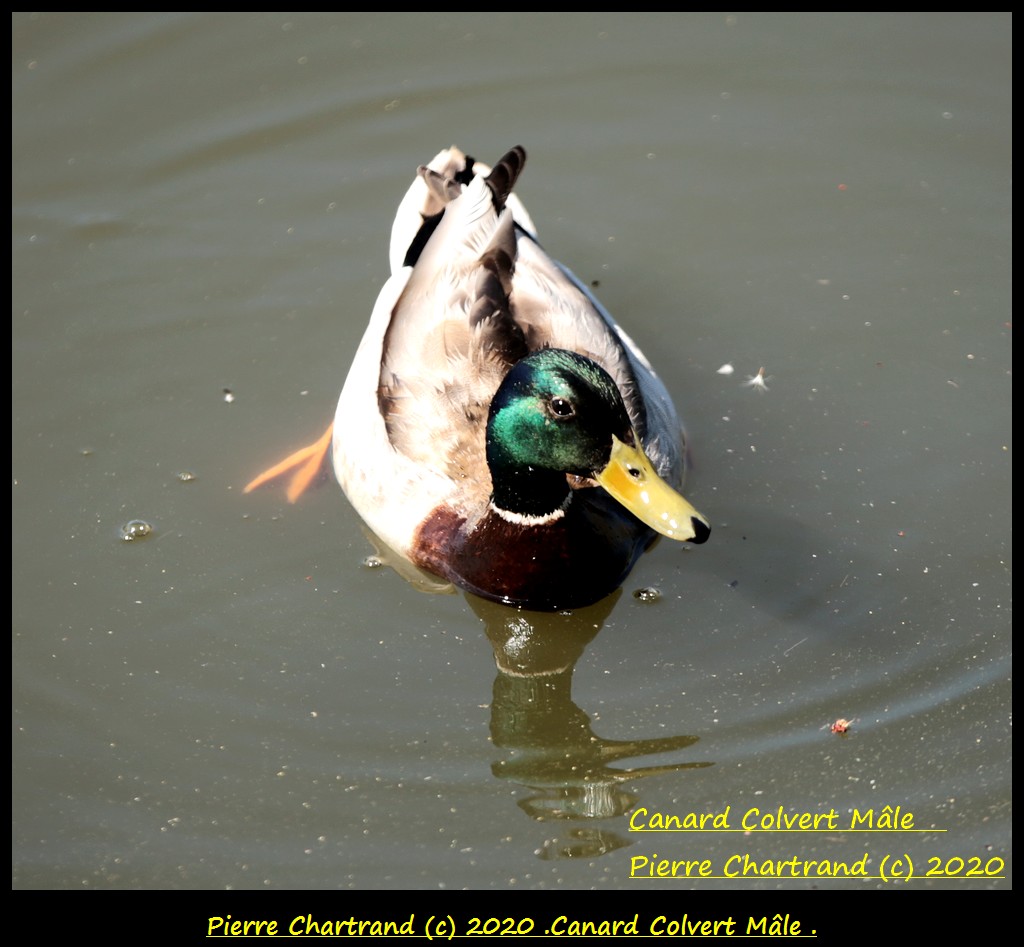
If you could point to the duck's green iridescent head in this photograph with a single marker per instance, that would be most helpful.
(557, 413)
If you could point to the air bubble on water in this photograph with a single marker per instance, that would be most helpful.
(135, 529)
(648, 594)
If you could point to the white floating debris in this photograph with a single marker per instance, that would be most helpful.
(758, 381)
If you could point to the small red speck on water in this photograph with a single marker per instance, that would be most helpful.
(842, 187)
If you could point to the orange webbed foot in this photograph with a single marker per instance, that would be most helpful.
(306, 463)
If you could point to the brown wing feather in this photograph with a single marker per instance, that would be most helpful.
(482, 295)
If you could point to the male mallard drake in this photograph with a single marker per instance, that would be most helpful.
(497, 427)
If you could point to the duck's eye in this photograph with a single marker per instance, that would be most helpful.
(561, 408)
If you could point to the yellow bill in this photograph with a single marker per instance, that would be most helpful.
(630, 478)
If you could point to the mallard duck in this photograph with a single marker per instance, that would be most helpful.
(497, 428)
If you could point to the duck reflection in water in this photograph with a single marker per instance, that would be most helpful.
(548, 743)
